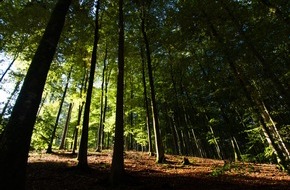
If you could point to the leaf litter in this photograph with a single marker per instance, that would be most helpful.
(58, 172)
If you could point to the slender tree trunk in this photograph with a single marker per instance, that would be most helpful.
(82, 155)
(197, 144)
(41, 104)
(158, 141)
(117, 168)
(150, 149)
(62, 144)
(80, 110)
(49, 149)
(8, 68)
(216, 144)
(101, 126)
(14, 145)
(76, 131)
(108, 73)
(174, 135)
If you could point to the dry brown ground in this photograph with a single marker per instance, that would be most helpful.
(57, 172)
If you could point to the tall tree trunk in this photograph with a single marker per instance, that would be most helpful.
(150, 149)
(62, 144)
(117, 168)
(76, 130)
(49, 149)
(82, 156)
(158, 141)
(80, 110)
(14, 145)
(197, 144)
(216, 144)
(174, 135)
(101, 126)
(108, 73)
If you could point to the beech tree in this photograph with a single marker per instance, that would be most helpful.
(82, 155)
(117, 168)
(18, 131)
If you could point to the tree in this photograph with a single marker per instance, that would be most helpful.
(117, 168)
(62, 144)
(49, 149)
(102, 111)
(146, 103)
(158, 139)
(14, 145)
(82, 155)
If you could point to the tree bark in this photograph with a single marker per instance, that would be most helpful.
(117, 168)
(150, 148)
(82, 155)
(14, 145)
(158, 141)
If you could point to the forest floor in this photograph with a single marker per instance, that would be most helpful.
(57, 171)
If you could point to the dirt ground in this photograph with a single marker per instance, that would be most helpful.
(58, 172)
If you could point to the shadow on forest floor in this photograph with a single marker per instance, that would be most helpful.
(57, 171)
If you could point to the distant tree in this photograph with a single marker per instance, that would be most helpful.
(102, 111)
(49, 149)
(65, 129)
(14, 145)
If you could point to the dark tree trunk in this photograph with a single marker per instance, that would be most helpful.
(105, 106)
(150, 149)
(101, 126)
(117, 169)
(49, 149)
(174, 135)
(76, 130)
(62, 144)
(14, 145)
(82, 156)
(158, 141)
(81, 105)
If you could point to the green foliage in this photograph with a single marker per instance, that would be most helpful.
(192, 44)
